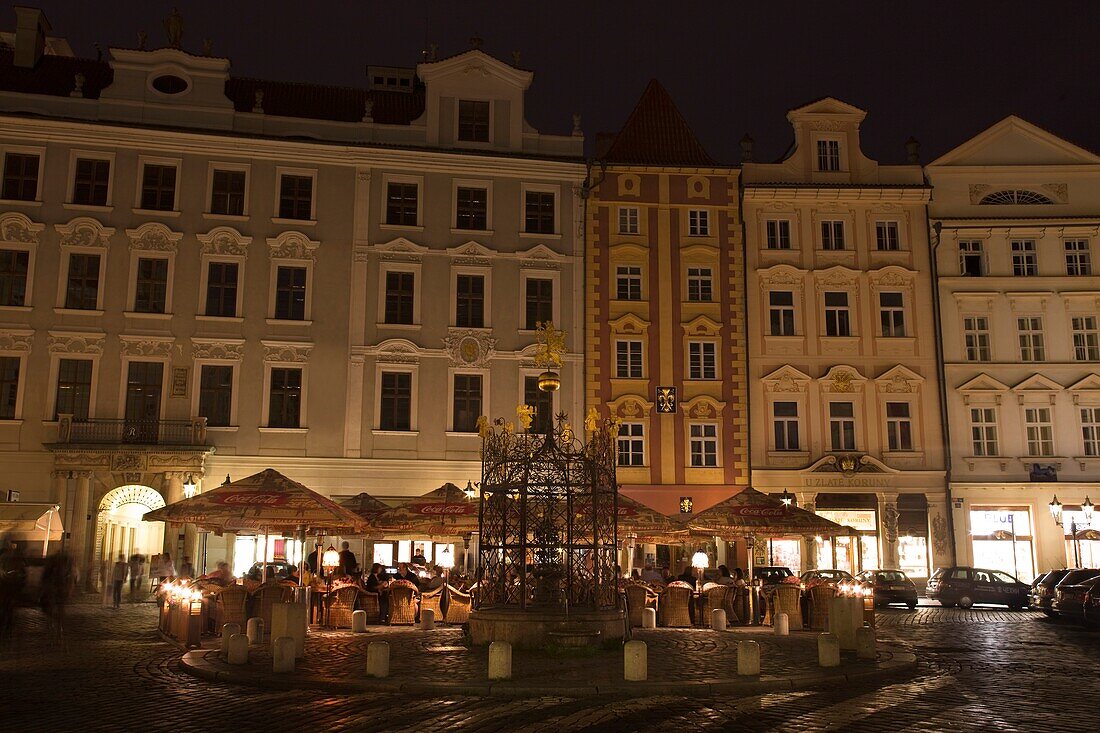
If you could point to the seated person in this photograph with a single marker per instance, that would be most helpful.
(651, 574)
(404, 572)
(688, 576)
(724, 577)
(435, 580)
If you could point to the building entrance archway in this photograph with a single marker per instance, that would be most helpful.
(120, 528)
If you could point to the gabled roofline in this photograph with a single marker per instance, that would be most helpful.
(1002, 126)
(427, 70)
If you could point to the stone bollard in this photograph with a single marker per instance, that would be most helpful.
(845, 618)
(289, 619)
(255, 630)
(718, 619)
(229, 631)
(781, 624)
(282, 654)
(828, 650)
(865, 643)
(635, 662)
(500, 660)
(378, 659)
(748, 658)
(649, 618)
(427, 619)
(359, 622)
(237, 652)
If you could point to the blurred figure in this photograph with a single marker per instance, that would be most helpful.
(651, 574)
(348, 562)
(58, 583)
(137, 576)
(167, 567)
(119, 573)
(187, 569)
(13, 576)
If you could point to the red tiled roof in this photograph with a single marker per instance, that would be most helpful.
(317, 101)
(657, 134)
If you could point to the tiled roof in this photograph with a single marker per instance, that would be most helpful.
(657, 134)
(54, 75)
(317, 101)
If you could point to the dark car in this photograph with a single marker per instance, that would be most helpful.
(832, 577)
(890, 586)
(771, 575)
(1042, 591)
(965, 586)
(1069, 594)
(1090, 608)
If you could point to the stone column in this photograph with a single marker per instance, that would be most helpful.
(808, 501)
(173, 482)
(82, 498)
(888, 530)
(940, 553)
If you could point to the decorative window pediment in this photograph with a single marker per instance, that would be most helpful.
(1029, 301)
(703, 407)
(295, 352)
(702, 326)
(892, 277)
(786, 379)
(540, 257)
(146, 346)
(782, 275)
(843, 379)
(1086, 391)
(16, 340)
(1037, 388)
(293, 246)
(62, 342)
(975, 300)
(628, 252)
(401, 249)
(471, 253)
(630, 407)
(225, 349)
(982, 388)
(154, 237)
(84, 231)
(837, 278)
(629, 324)
(397, 351)
(224, 241)
(899, 379)
(16, 228)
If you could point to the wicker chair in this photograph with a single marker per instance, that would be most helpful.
(433, 599)
(266, 596)
(638, 597)
(675, 606)
(341, 604)
(403, 605)
(231, 607)
(718, 596)
(821, 597)
(371, 604)
(458, 606)
(786, 599)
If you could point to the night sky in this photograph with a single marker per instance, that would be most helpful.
(941, 71)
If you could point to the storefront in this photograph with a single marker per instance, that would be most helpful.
(1082, 548)
(858, 551)
(913, 542)
(1001, 539)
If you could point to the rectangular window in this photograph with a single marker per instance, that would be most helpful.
(295, 197)
(1078, 257)
(702, 363)
(886, 236)
(699, 282)
(976, 337)
(216, 394)
(151, 289)
(631, 444)
(82, 286)
(290, 293)
(832, 235)
(781, 313)
(828, 155)
(9, 386)
(1090, 430)
(227, 193)
(842, 426)
(628, 282)
(74, 388)
(628, 359)
(983, 430)
(538, 212)
(285, 400)
(1025, 262)
(402, 200)
(628, 220)
(779, 233)
(899, 426)
(836, 315)
(540, 302)
(14, 267)
(892, 314)
(467, 402)
(21, 176)
(471, 208)
(473, 121)
(542, 401)
(400, 297)
(1030, 330)
(470, 301)
(785, 425)
(1086, 338)
(221, 289)
(1040, 431)
(704, 445)
(395, 408)
(698, 222)
(91, 181)
(971, 258)
(158, 187)
(144, 380)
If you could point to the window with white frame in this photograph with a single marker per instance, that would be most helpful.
(781, 313)
(222, 282)
(296, 196)
(14, 271)
(471, 208)
(74, 388)
(1040, 431)
(1090, 430)
(91, 181)
(82, 281)
(1025, 261)
(983, 431)
(842, 426)
(395, 401)
(216, 394)
(151, 285)
(539, 215)
(886, 236)
(469, 301)
(785, 426)
(467, 402)
(539, 301)
(400, 297)
(628, 220)
(228, 191)
(892, 314)
(628, 359)
(899, 426)
(402, 203)
(704, 444)
(21, 174)
(1078, 257)
(700, 285)
(473, 121)
(158, 187)
(698, 222)
(628, 282)
(837, 316)
(971, 258)
(1030, 332)
(832, 235)
(631, 444)
(1086, 338)
(976, 338)
(702, 361)
(291, 282)
(285, 398)
(10, 368)
(778, 233)
(828, 155)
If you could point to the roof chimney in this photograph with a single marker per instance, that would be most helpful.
(31, 28)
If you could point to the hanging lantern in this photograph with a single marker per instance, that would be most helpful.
(189, 487)
(470, 491)
(549, 382)
(787, 498)
(1087, 509)
(1056, 510)
(445, 559)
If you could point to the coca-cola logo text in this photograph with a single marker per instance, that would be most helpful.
(251, 498)
(759, 511)
(439, 510)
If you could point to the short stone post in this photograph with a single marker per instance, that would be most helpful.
(255, 630)
(237, 652)
(845, 617)
(828, 650)
(635, 661)
(289, 619)
(359, 622)
(748, 658)
(718, 619)
(229, 631)
(427, 619)
(649, 618)
(500, 660)
(781, 625)
(378, 659)
(865, 643)
(282, 655)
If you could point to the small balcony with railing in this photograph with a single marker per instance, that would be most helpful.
(102, 431)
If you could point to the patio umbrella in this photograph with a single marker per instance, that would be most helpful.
(26, 522)
(365, 505)
(648, 525)
(443, 512)
(750, 512)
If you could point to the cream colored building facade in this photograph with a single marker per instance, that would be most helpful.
(844, 403)
(1016, 220)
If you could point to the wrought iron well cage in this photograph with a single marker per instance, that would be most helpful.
(548, 513)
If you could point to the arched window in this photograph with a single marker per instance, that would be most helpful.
(1015, 196)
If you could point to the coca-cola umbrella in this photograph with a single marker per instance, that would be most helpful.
(443, 512)
(366, 506)
(751, 513)
(646, 524)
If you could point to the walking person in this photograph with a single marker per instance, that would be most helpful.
(119, 573)
(13, 576)
(137, 576)
(58, 584)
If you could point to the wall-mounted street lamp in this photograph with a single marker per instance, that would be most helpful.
(189, 487)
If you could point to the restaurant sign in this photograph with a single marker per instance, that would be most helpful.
(859, 519)
(445, 510)
(251, 498)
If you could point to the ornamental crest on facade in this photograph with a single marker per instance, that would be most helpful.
(84, 231)
(293, 246)
(153, 237)
(76, 343)
(225, 241)
(16, 340)
(146, 346)
(18, 229)
(286, 352)
(469, 347)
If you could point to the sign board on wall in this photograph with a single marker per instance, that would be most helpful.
(858, 519)
(179, 381)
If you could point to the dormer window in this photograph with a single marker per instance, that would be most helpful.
(473, 121)
(828, 155)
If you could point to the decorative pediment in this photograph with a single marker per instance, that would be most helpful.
(225, 242)
(16, 228)
(16, 340)
(974, 299)
(146, 346)
(706, 254)
(154, 237)
(397, 351)
(1035, 300)
(899, 379)
(471, 253)
(469, 347)
(62, 342)
(628, 253)
(1016, 142)
(982, 387)
(782, 275)
(703, 407)
(892, 277)
(401, 249)
(84, 231)
(1037, 388)
(786, 379)
(629, 324)
(1086, 391)
(1081, 300)
(474, 63)
(837, 278)
(843, 379)
(293, 352)
(293, 246)
(540, 257)
(630, 407)
(227, 349)
(702, 326)
(851, 463)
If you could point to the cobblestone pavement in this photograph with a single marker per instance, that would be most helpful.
(980, 670)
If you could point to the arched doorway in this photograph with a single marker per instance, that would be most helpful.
(119, 527)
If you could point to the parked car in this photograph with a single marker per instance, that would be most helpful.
(831, 577)
(1042, 591)
(890, 586)
(1069, 594)
(1090, 607)
(965, 586)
